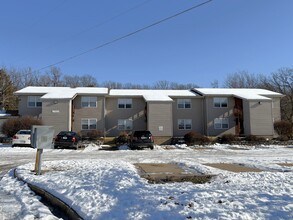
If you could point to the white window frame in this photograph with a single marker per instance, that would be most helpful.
(89, 101)
(184, 124)
(35, 100)
(124, 124)
(124, 103)
(220, 102)
(221, 123)
(91, 123)
(184, 103)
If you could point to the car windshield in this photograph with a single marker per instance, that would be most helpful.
(24, 132)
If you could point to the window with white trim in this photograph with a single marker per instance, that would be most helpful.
(124, 103)
(184, 103)
(184, 124)
(89, 124)
(124, 124)
(88, 101)
(221, 123)
(34, 102)
(220, 102)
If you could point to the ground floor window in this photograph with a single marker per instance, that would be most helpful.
(221, 123)
(124, 124)
(184, 124)
(89, 124)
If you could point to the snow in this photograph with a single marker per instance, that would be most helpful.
(106, 184)
(249, 94)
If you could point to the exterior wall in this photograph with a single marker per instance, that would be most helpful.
(246, 117)
(213, 112)
(24, 110)
(261, 121)
(195, 113)
(276, 108)
(113, 114)
(56, 113)
(79, 113)
(160, 119)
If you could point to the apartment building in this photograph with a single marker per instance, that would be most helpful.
(166, 113)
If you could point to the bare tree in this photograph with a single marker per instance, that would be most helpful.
(162, 84)
(282, 82)
(7, 100)
(88, 81)
(243, 79)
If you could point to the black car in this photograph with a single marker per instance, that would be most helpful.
(67, 139)
(142, 139)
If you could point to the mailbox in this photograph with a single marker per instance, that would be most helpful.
(42, 137)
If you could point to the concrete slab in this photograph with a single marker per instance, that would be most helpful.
(286, 164)
(233, 167)
(163, 173)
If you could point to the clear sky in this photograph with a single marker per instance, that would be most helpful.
(200, 46)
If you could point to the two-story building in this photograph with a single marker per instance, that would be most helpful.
(166, 113)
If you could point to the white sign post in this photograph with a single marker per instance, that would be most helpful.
(41, 138)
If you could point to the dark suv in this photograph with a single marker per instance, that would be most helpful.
(67, 139)
(142, 139)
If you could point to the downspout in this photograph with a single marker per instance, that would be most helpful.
(70, 115)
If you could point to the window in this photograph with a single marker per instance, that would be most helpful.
(124, 103)
(220, 102)
(184, 124)
(89, 124)
(124, 124)
(88, 102)
(221, 123)
(183, 103)
(34, 101)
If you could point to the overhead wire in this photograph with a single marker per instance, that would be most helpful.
(126, 35)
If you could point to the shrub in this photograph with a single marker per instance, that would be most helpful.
(283, 128)
(13, 125)
(192, 137)
(91, 135)
(228, 138)
(253, 138)
(123, 138)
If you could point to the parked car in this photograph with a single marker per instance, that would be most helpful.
(67, 139)
(142, 139)
(22, 139)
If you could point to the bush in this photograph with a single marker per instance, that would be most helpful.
(123, 138)
(91, 135)
(283, 128)
(253, 138)
(192, 138)
(13, 125)
(228, 138)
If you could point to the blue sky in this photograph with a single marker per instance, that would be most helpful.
(201, 46)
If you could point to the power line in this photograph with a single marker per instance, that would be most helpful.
(126, 36)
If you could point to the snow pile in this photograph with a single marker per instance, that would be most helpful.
(112, 189)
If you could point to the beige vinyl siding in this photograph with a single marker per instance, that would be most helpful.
(276, 109)
(195, 113)
(160, 120)
(136, 113)
(24, 110)
(56, 113)
(79, 113)
(261, 121)
(214, 112)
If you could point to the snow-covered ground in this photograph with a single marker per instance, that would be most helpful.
(106, 184)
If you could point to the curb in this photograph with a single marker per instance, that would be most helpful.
(53, 200)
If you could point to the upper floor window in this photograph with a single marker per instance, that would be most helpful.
(34, 101)
(221, 102)
(184, 103)
(88, 102)
(89, 124)
(184, 124)
(124, 103)
(124, 124)
(221, 123)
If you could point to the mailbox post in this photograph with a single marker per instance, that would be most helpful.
(41, 138)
